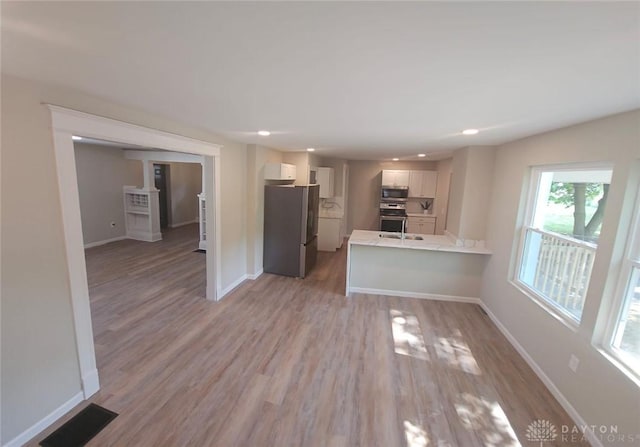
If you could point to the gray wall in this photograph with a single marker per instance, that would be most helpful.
(599, 391)
(39, 358)
(102, 172)
(365, 178)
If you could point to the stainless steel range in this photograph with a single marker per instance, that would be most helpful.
(392, 215)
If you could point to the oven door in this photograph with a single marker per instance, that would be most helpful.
(391, 223)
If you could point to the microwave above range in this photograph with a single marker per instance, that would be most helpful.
(394, 193)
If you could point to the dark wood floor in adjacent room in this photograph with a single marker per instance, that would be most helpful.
(287, 362)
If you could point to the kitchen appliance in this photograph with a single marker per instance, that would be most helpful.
(290, 229)
(392, 215)
(395, 193)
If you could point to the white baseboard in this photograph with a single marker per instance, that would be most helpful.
(233, 285)
(254, 276)
(424, 296)
(182, 224)
(90, 383)
(144, 236)
(564, 402)
(45, 422)
(104, 242)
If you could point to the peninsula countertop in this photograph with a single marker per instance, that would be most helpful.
(429, 242)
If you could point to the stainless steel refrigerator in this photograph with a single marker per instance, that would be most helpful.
(290, 229)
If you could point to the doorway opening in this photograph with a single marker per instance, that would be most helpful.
(162, 183)
(135, 275)
(67, 123)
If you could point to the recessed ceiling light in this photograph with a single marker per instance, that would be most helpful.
(76, 138)
(470, 131)
(422, 155)
(310, 149)
(264, 133)
(395, 159)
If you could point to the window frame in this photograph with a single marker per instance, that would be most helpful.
(629, 262)
(552, 308)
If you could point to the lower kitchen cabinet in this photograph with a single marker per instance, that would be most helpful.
(329, 234)
(421, 225)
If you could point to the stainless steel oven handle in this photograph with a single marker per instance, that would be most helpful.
(392, 217)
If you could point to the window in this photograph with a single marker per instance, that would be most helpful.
(560, 237)
(624, 332)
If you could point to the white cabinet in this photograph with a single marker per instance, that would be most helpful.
(392, 177)
(325, 178)
(329, 234)
(142, 214)
(423, 184)
(421, 225)
(279, 171)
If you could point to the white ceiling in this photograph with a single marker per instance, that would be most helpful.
(357, 80)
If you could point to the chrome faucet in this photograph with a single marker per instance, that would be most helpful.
(402, 234)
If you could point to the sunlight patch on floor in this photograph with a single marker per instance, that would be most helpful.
(457, 354)
(416, 436)
(487, 419)
(407, 335)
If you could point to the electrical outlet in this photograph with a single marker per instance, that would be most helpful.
(113, 224)
(573, 363)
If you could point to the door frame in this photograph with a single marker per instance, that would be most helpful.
(67, 122)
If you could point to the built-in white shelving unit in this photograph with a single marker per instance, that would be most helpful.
(142, 217)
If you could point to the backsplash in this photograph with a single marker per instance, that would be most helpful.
(415, 206)
(332, 204)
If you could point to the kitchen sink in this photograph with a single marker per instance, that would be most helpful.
(407, 237)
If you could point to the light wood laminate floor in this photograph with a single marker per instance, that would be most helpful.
(288, 362)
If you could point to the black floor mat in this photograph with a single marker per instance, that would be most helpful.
(81, 428)
(199, 250)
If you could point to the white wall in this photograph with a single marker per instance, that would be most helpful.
(365, 178)
(39, 359)
(302, 162)
(102, 172)
(471, 183)
(441, 204)
(417, 271)
(599, 392)
(185, 185)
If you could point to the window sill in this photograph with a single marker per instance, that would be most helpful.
(552, 310)
(616, 361)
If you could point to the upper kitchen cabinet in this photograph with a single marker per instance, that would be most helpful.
(279, 171)
(392, 177)
(423, 184)
(325, 178)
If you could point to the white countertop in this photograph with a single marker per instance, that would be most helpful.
(429, 242)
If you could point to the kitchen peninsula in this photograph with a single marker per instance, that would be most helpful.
(432, 267)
